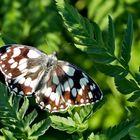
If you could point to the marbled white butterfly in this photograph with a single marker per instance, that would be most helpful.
(56, 84)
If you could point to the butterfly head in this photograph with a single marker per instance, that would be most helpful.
(51, 60)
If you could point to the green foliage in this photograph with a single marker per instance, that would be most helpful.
(77, 122)
(102, 53)
(17, 124)
(119, 131)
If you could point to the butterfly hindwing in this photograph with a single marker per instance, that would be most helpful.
(67, 85)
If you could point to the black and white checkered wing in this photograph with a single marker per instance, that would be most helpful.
(65, 85)
(22, 67)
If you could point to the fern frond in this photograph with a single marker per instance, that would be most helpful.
(15, 119)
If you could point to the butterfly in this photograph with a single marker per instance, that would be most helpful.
(55, 84)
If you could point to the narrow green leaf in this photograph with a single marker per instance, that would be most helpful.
(119, 131)
(99, 55)
(63, 124)
(8, 135)
(135, 96)
(97, 34)
(16, 103)
(102, 58)
(108, 69)
(86, 112)
(111, 36)
(77, 118)
(40, 128)
(127, 41)
(30, 117)
(23, 108)
(125, 86)
(10, 100)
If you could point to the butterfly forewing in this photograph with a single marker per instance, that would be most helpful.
(19, 66)
(67, 85)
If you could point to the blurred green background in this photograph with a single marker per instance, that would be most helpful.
(37, 23)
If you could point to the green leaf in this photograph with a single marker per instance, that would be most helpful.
(86, 112)
(97, 35)
(30, 117)
(40, 128)
(7, 40)
(101, 58)
(23, 108)
(96, 137)
(77, 118)
(81, 114)
(108, 69)
(79, 27)
(86, 35)
(125, 86)
(135, 133)
(98, 55)
(63, 124)
(127, 41)
(77, 122)
(119, 131)
(8, 135)
(111, 36)
(135, 96)
(15, 102)
(91, 137)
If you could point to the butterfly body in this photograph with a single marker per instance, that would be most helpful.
(56, 84)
